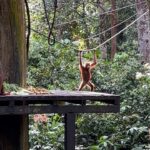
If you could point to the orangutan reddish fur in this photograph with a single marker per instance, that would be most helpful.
(85, 72)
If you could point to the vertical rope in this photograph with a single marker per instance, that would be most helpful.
(29, 27)
(51, 27)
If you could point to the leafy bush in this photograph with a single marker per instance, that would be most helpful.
(53, 68)
(126, 130)
(46, 135)
(11, 87)
(124, 76)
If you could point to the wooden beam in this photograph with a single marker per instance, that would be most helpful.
(67, 96)
(5, 110)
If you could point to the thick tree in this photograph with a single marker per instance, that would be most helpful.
(143, 30)
(13, 129)
(113, 30)
(148, 2)
(102, 24)
(12, 40)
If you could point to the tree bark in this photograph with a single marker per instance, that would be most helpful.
(143, 31)
(113, 30)
(102, 21)
(148, 2)
(12, 40)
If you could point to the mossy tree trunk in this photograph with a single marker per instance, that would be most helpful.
(113, 30)
(102, 25)
(143, 31)
(13, 129)
(12, 40)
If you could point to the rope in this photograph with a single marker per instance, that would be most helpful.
(41, 34)
(29, 26)
(107, 12)
(52, 26)
(48, 22)
(117, 9)
(106, 31)
(46, 16)
(91, 37)
(117, 33)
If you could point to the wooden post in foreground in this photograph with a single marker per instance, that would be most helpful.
(13, 132)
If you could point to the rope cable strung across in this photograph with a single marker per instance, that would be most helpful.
(100, 14)
(51, 27)
(116, 33)
(92, 37)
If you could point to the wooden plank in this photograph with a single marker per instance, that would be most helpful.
(67, 96)
(5, 110)
(19, 104)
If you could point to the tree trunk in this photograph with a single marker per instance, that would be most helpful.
(148, 2)
(12, 40)
(113, 30)
(143, 31)
(102, 21)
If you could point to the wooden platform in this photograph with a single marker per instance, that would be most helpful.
(15, 108)
(28, 104)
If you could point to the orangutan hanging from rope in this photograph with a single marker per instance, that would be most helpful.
(85, 71)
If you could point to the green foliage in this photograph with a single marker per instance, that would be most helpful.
(47, 135)
(56, 67)
(119, 75)
(53, 67)
(126, 130)
(11, 87)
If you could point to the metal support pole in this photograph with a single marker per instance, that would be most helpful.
(70, 131)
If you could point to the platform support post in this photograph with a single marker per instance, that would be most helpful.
(14, 132)
(70, 131)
